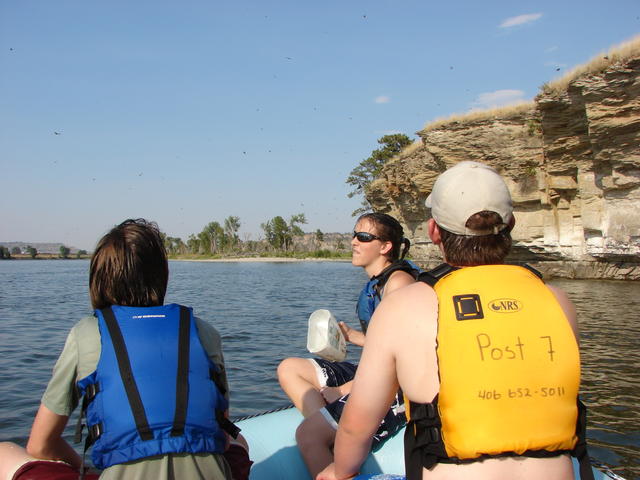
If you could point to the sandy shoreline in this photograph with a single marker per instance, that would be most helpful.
(261, 259)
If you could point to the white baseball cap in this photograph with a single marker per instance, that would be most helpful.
(464, 190)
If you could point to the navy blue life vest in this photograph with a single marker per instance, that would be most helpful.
(371, 294)
(154, 389)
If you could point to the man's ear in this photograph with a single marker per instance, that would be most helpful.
(434, 231)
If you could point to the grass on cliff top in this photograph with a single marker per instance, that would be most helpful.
(480, 115)
(599, 63)
(411, 148)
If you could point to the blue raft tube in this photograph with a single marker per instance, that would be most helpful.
(271, 438)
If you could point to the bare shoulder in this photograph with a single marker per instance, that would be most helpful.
(405, 305)
(398, 279)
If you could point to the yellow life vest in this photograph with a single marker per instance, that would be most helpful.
(509, 369)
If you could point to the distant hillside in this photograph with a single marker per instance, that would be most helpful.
(52, 248)
(329, 241)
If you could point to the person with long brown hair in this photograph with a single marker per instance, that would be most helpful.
(151, 377)
(320, 388)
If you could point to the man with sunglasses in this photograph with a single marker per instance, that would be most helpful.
(485, 353)
(320, 388)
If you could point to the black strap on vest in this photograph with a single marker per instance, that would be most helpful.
(182, 384)
(423, 446)
(384, 275)
(580, 450)
(532, 270)
(93, 432)
(432, 276)
(130, 386)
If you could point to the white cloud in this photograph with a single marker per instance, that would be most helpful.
(551, 49)
(382, 99)
(499, 98)
(520, 20)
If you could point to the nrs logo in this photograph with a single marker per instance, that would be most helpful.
(505, 305)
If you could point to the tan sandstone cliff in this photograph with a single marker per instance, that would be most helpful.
(571, 159)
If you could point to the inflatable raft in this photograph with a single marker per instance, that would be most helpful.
(271, 438)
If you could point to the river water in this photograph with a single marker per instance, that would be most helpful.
(261, 310)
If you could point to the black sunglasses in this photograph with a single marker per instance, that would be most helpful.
(365, 237)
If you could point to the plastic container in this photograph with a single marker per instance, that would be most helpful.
(324, 337)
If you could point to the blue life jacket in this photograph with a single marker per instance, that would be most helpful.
(153, 391)
(371, 294)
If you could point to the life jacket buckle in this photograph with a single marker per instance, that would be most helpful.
(92, 391)
(431, 410)
(434, 435)
(95, 431)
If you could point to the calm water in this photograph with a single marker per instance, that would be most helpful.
(261, 311)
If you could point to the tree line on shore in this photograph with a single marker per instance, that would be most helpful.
(281, 237)
(7, 253)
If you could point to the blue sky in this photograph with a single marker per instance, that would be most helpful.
(188, 112)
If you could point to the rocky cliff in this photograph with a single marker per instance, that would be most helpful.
(571, 159)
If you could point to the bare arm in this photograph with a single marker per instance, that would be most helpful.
(46, 442)
(352, 335)
(568, 308)
(371, 395)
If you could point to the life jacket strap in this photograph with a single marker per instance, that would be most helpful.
(423, 443)
(580, 450)
(182, 377)
(434, 275)
(532, 270)
(215, 378)
(227, 425)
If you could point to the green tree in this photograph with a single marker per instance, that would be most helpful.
(294, 228)
(32, 251)
(173, 245)
(369, 169)
(231, 227)
(319, 237)
(80, 253)
(274, 231)
(64, 251)
(178, 245)
(280, 234)
(4, 252)
(193, 244)
(204, 243)
(16, 251)
(212, 238)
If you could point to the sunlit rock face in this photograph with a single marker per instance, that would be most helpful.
(571, 159)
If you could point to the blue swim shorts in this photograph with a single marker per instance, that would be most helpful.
(391, 424)
(333, 374)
